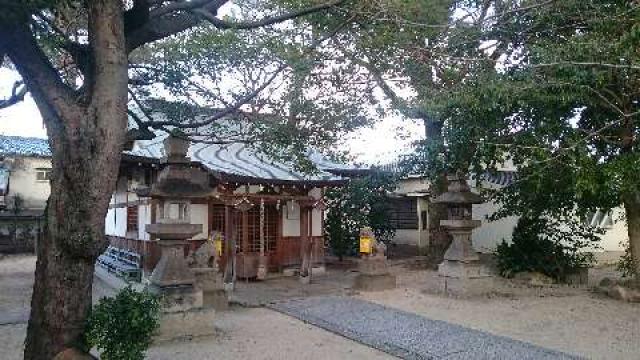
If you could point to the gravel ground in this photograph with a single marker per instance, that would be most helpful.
(407, 335)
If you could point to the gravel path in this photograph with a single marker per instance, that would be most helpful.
(407, 335)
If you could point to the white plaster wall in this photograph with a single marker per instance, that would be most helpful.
(616, 234)
(487, 237)
(412, 184)
(291, 227)
(199, 215)
(406, 237)
(144, 218)
(116, 222)
(423, 235)
(316, 222)
(23, 181)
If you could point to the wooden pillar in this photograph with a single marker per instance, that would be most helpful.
(229, 249)
(305, 244)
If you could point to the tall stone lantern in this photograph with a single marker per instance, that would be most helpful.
(461, 271)
(172, 279)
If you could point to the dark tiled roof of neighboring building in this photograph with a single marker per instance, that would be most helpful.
(24, 146)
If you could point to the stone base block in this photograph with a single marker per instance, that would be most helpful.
(318, 270)
(304, 279)
(216, 299)
(466, 287)
(290, 272)
(373, 266)
(207, 279)
(178, 298)
(458, 269)
(367, 282)
(185, 324)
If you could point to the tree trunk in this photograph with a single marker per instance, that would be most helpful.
(86, 133)
(439, 238)
(632, 210)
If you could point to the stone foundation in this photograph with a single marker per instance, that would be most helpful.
(465, 279)
(216, 299)
(185, 324)
(374, 275)
(466, 287)
(178, 298)
(365, 282)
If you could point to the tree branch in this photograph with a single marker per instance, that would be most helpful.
(18, 91)
(43, 81)
(180, 16)
(223, 24)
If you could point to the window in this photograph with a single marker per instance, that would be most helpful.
(43, 174)
(403, 214)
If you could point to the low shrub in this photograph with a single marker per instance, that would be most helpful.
(546, 246)
(625, 265)
(121, 327)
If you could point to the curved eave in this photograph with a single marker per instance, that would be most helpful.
(224, 177)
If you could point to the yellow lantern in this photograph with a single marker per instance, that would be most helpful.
(366, 244)
(217, 242)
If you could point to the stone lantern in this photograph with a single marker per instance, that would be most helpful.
(461, 269)
(172, 279)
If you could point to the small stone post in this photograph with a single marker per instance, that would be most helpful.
(374, 272)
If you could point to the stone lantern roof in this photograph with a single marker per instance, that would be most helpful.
(179, 178)
(458, 193)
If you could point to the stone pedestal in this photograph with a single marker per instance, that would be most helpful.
(374, 275)
(182, 312)
(263, 265)
(461, 272)
(185, 324)
(213, 294)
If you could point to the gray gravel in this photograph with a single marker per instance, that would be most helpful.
(408, 335)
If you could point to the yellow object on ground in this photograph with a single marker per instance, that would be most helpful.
(366, 244)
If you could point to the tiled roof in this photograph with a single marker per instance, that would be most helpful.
(25, 146)
(500, 177)
(240, 160)
(234, 159)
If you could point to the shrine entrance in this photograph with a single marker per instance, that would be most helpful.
(246, 231)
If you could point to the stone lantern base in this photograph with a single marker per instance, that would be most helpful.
(374, 275)
(465, 279)
(185, 324)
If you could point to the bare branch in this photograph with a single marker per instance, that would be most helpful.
(18, 91)
(223, 24)
(51, 94)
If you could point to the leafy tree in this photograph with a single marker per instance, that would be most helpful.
(363, 202)
(89, 64)
(561, 102)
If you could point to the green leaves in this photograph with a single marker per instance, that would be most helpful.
(547, 246)
(361, 203)
(122, 327)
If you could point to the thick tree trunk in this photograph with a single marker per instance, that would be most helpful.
(86, 133)
(439, 239)
(632, 210)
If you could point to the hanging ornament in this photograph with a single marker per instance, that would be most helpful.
(244, 205)
(262, 227)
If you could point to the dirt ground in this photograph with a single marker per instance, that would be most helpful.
(243, 333)
(571, 319)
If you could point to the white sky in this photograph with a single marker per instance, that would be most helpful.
(380, 144)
